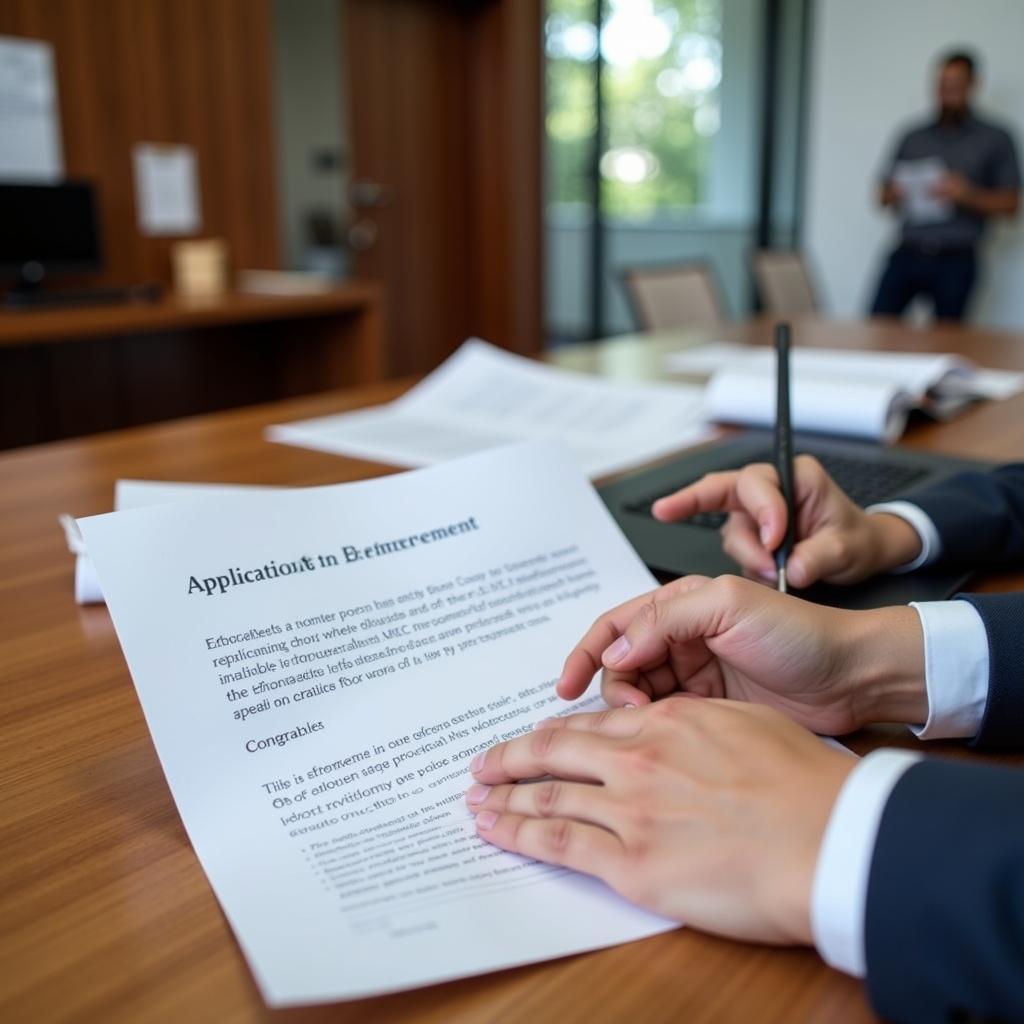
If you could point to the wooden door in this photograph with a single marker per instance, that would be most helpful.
(445, 108)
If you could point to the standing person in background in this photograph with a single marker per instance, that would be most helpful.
(946, 179)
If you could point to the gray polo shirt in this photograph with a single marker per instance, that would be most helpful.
(982, 152)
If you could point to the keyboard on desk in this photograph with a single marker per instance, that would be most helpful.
(867, 482)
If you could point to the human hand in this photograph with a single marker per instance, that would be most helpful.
(891, 193)
(830, 670)
(704, 811)
(954, 188)
(837, 541)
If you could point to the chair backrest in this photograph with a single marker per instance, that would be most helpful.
(783, 283)
(681, 295)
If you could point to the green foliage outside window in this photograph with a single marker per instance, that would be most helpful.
(660, 90)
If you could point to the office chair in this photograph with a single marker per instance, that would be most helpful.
(673, 295)
(783, 282)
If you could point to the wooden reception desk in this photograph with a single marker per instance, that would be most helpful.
(73, 371)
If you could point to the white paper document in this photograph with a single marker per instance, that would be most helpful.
(166, 189)
(853, 393)
(917, 181)
(483, 396)
(318, 666)
(30, 142)
(137, 494)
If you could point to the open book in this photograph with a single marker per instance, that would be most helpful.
(838, 391)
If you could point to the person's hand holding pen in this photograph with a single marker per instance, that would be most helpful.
(835, 540)
(790, 524)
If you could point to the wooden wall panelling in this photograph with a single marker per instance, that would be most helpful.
(196, 72)
(405, 64)
(505, 88)
(174, 71)
(445, 112)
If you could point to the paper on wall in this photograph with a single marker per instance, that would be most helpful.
(30, 141)
(166, 189)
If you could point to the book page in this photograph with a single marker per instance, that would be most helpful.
(318, 666)
(483, 396)
(870, 410)
(913, 372)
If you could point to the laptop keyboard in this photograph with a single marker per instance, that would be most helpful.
(866, 482)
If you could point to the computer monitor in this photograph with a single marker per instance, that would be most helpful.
(48, 230)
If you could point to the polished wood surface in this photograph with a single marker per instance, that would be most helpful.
(34, 326)
(68, 372)
(106, 915)
(195, 72)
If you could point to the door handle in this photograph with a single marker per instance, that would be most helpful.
(369, 195)
(363, 235)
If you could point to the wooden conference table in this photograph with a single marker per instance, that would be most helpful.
(105, 914)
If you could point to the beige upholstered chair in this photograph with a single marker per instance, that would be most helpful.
(783, 283)
(676, 295)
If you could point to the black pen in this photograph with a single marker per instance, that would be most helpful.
(784, 451)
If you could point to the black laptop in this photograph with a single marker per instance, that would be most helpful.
(867, 472)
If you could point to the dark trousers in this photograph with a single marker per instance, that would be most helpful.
(945, 277)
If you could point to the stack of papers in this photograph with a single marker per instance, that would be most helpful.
(483, 397)
(835, 391)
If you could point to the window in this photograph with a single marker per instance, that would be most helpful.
(662, 64)
(660, 147)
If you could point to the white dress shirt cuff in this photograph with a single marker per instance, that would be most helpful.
(840, 891)
(956, 668)
(931, 543)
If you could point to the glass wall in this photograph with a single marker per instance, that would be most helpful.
(654, 125)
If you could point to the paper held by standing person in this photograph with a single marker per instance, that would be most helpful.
(483, 396)
(852, 393)
(917, 181)
(318, 666)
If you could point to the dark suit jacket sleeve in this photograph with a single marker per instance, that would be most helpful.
(1003, 721)
(979, 516)
(944, 926)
